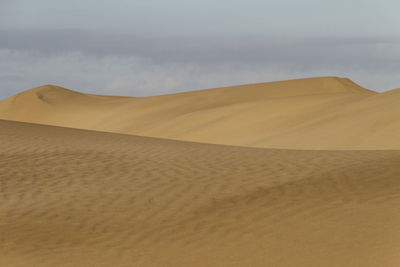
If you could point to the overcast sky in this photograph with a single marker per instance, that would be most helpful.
(148, 47)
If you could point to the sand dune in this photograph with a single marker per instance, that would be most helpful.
(314, 113)
(81, 198)
(77, 197)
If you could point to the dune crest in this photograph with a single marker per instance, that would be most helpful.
(314, 113)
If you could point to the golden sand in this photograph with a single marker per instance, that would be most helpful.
(315, 113)
(82, 198)
(204, 178)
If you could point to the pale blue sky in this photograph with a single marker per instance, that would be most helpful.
(146, 47)
(277, 17)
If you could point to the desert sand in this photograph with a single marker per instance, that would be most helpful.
(83, 198)
(316, 113)
(292, 173)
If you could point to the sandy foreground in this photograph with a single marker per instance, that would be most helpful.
(326, 113)
(73, 197)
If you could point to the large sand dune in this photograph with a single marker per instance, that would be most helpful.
(80, 198)
(314, 113)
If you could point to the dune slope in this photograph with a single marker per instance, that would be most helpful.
(81, 198)
(314, 113)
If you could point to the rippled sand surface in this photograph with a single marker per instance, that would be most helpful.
(82, 198)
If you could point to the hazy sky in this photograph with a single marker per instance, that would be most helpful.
(147, 47)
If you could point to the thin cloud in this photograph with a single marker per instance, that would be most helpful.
(142, 65)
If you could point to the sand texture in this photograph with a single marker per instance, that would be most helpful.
(326, 113)
(73, 197)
